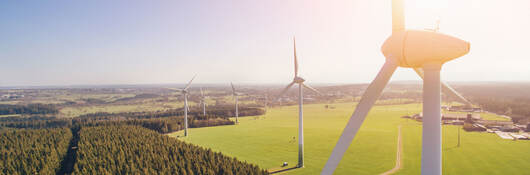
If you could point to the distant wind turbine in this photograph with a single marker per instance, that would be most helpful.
(235, 94)
(266, 100)
(186, 107)
(300, 81)
(410, 49)
(203, 103)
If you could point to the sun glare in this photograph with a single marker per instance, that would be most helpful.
(421, 14)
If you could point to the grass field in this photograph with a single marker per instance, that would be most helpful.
(483, 115)
(268, 141)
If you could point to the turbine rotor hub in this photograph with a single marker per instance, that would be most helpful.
(414, 48)
(298, 80)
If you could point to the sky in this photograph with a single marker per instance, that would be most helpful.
(246, 41)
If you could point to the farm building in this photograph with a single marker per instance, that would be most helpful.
(452, 116)
(527, 135)
(518, 136)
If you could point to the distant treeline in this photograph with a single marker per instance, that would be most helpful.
(161, 121)
(136, 150)
(511, 99)
(161, 125)
(36, 108)
(218, 111)
(518, 109)
(29, 151)
(35, 122)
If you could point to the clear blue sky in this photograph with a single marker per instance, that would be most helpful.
(245, 41)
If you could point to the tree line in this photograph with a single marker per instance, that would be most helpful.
(125, 149)
(517, 108)
(162, 125)
(160, 121)
(34, 108)
(511, 99)
(217, 111)
(29, 151)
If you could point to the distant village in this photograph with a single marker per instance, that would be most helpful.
(473, 122)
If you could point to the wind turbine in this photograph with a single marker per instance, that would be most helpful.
(186, 107)
(300, 81)
(203, 103)
(448, 90)
(410, 49)
(266, 100)
(235, 95)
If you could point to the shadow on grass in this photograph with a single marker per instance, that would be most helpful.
(280, 170)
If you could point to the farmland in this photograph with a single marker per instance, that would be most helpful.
(268, 141)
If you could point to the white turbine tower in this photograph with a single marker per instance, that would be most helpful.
(410, 49)
(448, 90)
(203, 103)
(266, 100)
(186, 107)
(235, 94)
(300, 81)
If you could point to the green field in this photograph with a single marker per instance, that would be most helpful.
(483, 115)
(268, 141)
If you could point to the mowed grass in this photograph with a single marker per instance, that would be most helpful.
(268, 141)
(479, 153)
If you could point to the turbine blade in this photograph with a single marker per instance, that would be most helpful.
(398, 16)
(285, 90)
(188, 85)
(371, 94)
(311, 88)
(233, 89)
(175, 89)
(446, 89)
(295, 60)
(202, 93)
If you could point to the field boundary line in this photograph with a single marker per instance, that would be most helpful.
(398, 154)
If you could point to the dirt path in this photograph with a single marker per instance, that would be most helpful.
(67, 164)
(398, 155)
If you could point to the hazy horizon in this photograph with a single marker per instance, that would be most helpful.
(58, 43)
(243, 84)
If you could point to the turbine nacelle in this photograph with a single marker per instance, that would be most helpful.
(298, 80)
(414, 48)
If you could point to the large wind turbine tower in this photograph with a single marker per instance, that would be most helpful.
(186, 107)
(300, 81)
(427, 50)
(203, 103)
(235, 94)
